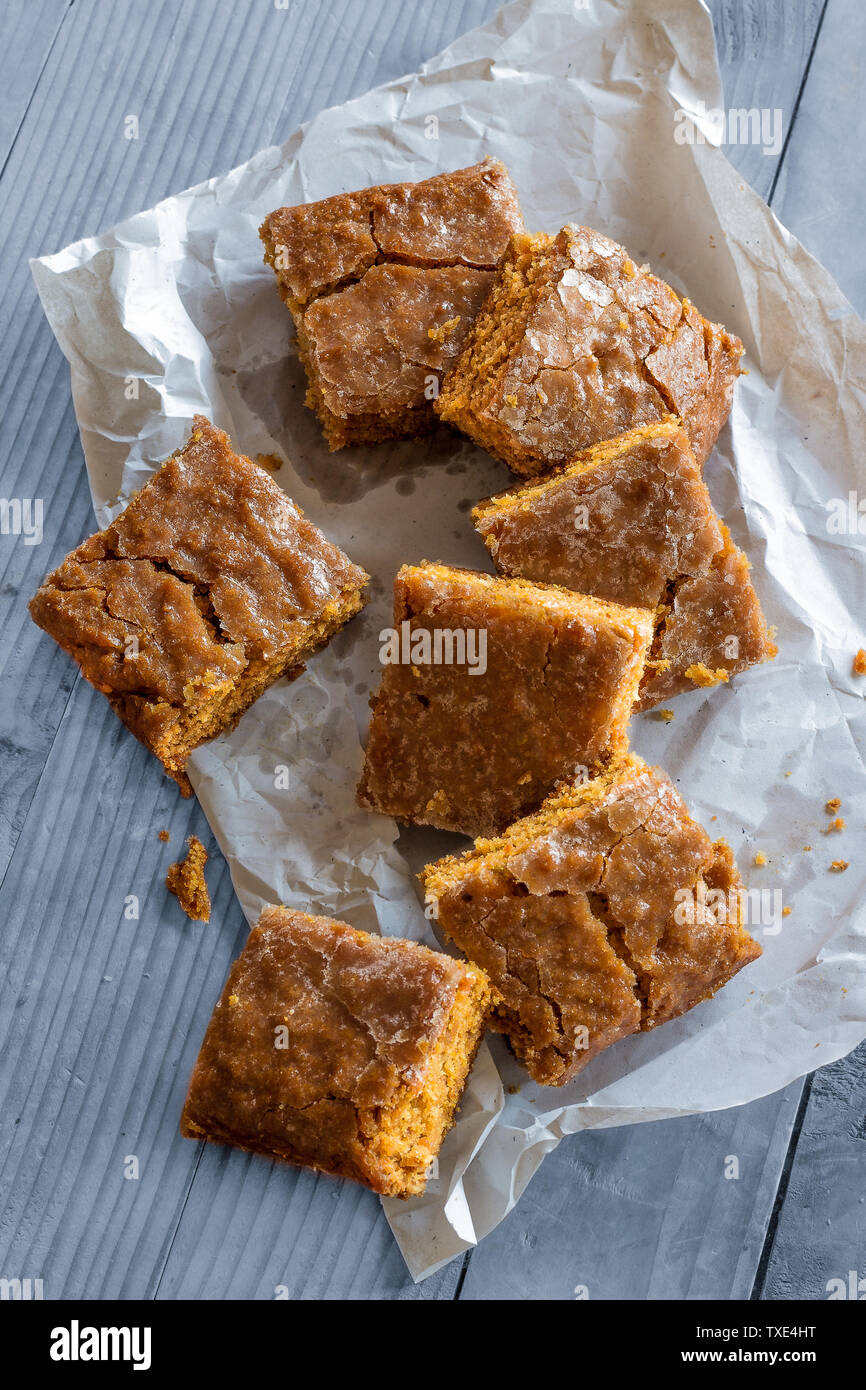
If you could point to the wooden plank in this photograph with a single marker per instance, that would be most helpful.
(96, 1068)
(763, 48)
(819, 1226)
(822, 186)
(27, 32)
(643, 1211)
(819, 1233)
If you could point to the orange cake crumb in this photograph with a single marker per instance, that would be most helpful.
(701, 675)
(187, 881)
(165, 836)
(832, 806)
(838, 866)
(760, 859)
(837, 824)
(786, 912)
(859, 666)
(665, 715)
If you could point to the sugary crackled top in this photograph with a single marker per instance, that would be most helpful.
(627, 859)
(608, 346)
(375, 344)
(469, 751)
(210, 566)
(362, 1014)
(460, 218)
(622, 521)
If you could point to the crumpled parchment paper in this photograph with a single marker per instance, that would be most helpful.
(581, 101)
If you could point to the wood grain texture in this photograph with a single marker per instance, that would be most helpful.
(763, 52)
(100, 1016)
(27, 33)
(644, 1211)
(821, 189)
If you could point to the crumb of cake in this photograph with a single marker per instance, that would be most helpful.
(272, 462)
(787, 774)
(165, 836)
(839, 866)
(349, 1055)
(187, 881)
(760, 859)
(701, 675)
(832, 806)
(807, 849)
(665, 715)
(837, 824)
(444, 330)
(786, 911)
(859, 664)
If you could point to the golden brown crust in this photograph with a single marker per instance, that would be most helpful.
(551, 692)
(208, 587)
(187, 881)
(608, 911)
(383, 284)
(631, 520)
(575, 344)
(337, 1050)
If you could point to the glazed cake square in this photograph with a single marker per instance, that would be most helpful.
(608, 912)
(576, 344)
(338, 1050)
(208, 587)
(631, 521)
(383, 285)
(469, 746)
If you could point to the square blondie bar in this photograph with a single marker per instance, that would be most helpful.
(631, 521)
(383, 284)
(493, 691)
(338, 1050)
(608, 912)
(576, 344)
(208, 587)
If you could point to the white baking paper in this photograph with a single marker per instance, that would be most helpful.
(580, 100)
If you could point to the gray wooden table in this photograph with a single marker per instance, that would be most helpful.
(100, 1016)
